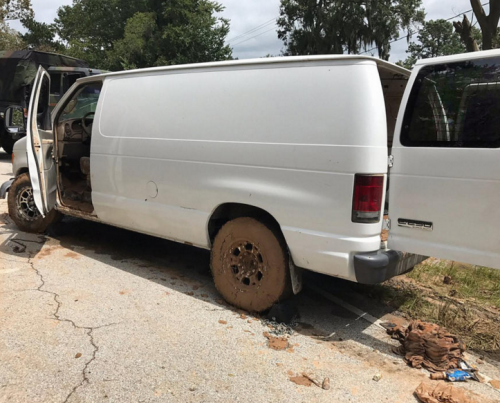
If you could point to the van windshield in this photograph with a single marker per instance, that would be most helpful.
(455, 105)
(83, 101)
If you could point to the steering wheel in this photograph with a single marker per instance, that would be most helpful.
(86, 128)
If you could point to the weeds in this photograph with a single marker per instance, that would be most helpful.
(467, 282)
(466, 303)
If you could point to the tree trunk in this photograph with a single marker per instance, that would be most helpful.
(488, 23)
(464, 29)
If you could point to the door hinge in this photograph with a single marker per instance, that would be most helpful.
(390, 161)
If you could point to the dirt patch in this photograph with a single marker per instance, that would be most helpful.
(72, 255)
(222, 322)
(495, 383)
(47, 251)
(276, 343)
(301, 380)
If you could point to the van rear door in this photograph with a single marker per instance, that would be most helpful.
(40, 143)
(444, 196)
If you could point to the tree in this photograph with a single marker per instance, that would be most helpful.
(490, 34)
(122, 34)
(465, 29)
(40, 36)
(488, 23)
(14, 9)
(9, 38)
(338, 26)
(435, 38)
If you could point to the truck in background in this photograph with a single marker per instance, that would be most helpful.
(17, 74)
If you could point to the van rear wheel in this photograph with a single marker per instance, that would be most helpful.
(22, 208)
(249, 263)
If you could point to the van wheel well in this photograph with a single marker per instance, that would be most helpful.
(21, 171)
(229, 211)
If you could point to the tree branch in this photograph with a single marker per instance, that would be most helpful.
(464, 29)
(479, 13)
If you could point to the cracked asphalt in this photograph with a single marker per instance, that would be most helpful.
(92, 313)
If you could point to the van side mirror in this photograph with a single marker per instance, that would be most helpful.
(14, 120)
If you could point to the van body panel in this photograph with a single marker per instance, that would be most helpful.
(280, 139)
(444, 196)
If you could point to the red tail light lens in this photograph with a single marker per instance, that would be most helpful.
(367, 200)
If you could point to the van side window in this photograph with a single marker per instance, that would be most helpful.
(455, 105)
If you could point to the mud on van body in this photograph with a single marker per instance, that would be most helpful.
(279, 164)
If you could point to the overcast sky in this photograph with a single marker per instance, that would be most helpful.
(258, 16)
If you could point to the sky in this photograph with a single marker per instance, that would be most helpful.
(258, 17)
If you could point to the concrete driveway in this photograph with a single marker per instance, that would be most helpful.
(92, 313)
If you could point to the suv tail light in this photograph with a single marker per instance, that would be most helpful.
(367, 200)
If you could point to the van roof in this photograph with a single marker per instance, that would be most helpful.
(459, 57)
(263, 62)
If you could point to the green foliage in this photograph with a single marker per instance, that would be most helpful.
(15, 9)
(123, 34)
(338, 26)
(435, 38)
(40, 36)
(9, 38)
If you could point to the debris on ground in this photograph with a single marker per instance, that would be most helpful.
(307, 380)
(441, 393)
(279, 329)
(326, 384)
(377, 377)
(456, 375)
(319, 385)
(285, 312)
(276, 343)
(428, 345)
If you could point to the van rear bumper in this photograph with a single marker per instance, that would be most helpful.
(379, 266)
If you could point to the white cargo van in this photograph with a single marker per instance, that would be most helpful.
(278, 164)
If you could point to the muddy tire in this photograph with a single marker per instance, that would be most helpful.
(22, 209)
(249, 264)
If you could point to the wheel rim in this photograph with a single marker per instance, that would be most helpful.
(246, 263)
(26, 205)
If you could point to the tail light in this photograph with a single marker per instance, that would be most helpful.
(367, 200)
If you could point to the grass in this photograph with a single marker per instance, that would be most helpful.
(467, 306)
(468, 282)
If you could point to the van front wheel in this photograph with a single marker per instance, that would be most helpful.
(249, 263)
(22, 209)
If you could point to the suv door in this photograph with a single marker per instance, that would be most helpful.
(444, 194)
(40, 143)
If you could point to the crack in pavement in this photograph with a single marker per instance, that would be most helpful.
(88, 329)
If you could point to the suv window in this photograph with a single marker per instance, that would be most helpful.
(55, 83)
(455, 105)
